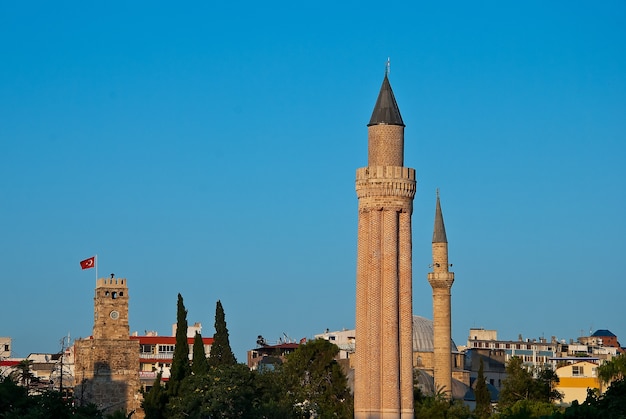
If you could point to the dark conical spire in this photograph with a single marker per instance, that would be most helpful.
(439, 234)
(386, 110)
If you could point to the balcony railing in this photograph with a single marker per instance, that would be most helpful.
(161, 355)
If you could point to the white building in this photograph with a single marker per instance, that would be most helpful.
(5, 347)
(344, 339)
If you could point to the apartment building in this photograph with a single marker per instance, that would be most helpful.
(534, 352)
(156, 354)
(575, 379)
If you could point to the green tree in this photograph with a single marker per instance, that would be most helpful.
(221, 353)
(482, 395)
(180, 361)
(119, 414)
(315, 383)
(614, 369)
(15, 403)
(545, 386)
(439, 406)
(88, 411)
(225, 391)
(528, 409)
(271, 389)
(23, 372)
(520, 385)
(517, 385)
(12, 396)
(199, 365)
(155, 400)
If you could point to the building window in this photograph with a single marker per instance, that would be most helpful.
(147, 349)
(166, 348)
(578, 370)
(6, 348)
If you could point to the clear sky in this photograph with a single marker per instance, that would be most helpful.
(210, 150)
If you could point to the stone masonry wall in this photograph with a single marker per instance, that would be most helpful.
(107, 374)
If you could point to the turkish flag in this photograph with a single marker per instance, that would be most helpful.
(88, 263)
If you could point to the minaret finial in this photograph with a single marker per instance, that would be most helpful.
(388, 67)
(437, 193)
(386, 109)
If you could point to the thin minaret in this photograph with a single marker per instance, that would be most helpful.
(384, 313)
(441, 280)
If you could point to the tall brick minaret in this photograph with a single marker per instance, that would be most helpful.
(441, 280)
(385, 188)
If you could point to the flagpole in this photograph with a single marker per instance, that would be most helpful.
(96, 263)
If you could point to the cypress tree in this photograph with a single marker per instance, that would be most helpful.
(199, 365)
(221, 354)
(155, 400)
(180, 361)
(483, 397)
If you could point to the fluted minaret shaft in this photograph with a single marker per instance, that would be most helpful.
(385, 188)
(441, 280)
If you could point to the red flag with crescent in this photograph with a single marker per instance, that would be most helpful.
(88, 263)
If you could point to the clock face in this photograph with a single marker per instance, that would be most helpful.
(114, 315)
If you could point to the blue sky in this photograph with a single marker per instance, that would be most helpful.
(211, 149)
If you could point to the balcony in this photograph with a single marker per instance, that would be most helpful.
(161, 355)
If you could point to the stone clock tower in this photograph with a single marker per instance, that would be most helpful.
(107, 363)
(111, 309)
